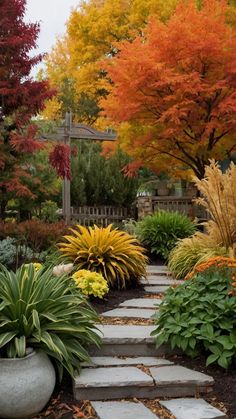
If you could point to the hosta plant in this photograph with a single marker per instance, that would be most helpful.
(45, 312)
(91, 283)
(199, 316)
(116, 255)
(161, 231)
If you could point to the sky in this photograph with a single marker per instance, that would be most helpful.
(52, 15)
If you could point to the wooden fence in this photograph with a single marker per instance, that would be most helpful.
(102, 216)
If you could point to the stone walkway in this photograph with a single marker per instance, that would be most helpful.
(128, 366)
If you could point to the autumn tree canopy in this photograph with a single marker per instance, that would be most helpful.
(21, 97)
(74, 65)
(173, 89)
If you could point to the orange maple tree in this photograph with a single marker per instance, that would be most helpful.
(173, 94)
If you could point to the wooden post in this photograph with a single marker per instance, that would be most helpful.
(66, 200)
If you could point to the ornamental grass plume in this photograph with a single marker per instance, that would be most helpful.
(218, 197)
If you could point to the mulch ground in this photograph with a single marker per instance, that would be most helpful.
(63, 406)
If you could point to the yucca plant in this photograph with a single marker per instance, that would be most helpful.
(113, 253)
(161, 231)
(46, 313)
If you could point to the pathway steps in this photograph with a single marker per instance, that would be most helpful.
(142, 303)
(156, 289)
(192, 409)
(127, 366)
(121, 410)
(143, 313)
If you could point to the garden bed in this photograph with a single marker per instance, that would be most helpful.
(114, 298)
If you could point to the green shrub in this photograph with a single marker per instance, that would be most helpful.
(160, 232)
(7, 251)
(191, 251)
(200, 317)
(45, 312)
(49, 212)
(13, 254)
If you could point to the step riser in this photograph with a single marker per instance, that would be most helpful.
(109, 393)
(136, 349)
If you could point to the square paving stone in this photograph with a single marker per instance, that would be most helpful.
(179, 375)
(155, 289)
(142, 302)
(157, 269)
(126, 334)
(105, 361)
(112, 377)
(140, 313)
(122, 410)
(160, 281)
(192, 409)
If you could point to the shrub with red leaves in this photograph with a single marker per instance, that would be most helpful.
(35, 233)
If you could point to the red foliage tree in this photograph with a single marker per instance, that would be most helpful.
(21, 97)
(173, 93)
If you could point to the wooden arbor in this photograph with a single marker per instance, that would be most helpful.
(75, 131)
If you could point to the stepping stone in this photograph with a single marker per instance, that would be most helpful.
(122, 410)
(127, 340)
(115, 334)
(111, 382)
(159, 281)
(192, 408)
(142, 302)
(108, 361)
(157, 270)
(180, 375)
(130, 313)
(156, 289)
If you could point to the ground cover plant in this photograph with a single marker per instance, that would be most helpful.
(113, 253)
(45, 312)
(200, 315)
(161, 231)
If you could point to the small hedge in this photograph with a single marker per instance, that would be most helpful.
(161, 231)
(36, 234)
(200, 316)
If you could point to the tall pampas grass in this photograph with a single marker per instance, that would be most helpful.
(218, 197)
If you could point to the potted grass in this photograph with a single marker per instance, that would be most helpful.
(44, 321)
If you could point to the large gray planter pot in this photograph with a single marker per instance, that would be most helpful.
(26, 385)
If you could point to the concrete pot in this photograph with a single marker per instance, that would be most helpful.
(26, 385)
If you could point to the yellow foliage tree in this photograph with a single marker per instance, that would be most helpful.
(93, 31)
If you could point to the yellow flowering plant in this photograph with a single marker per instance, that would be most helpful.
(36, 266)
(91, 283)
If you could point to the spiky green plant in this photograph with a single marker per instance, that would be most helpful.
(113, 253)
(47, 313)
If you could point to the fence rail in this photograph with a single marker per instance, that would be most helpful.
(179, 204)
(102, 216)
